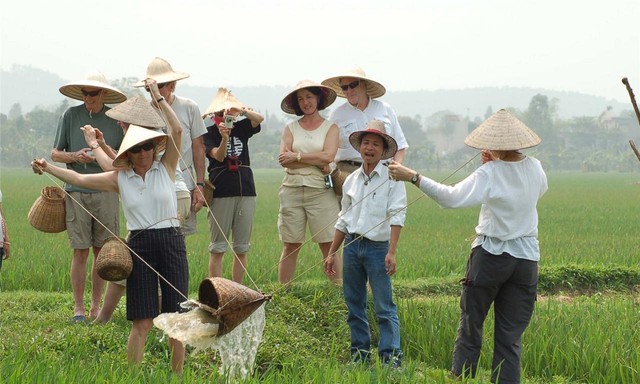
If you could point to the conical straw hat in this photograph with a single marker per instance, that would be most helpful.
(93, 79)
(374, 89)
(223, 99)
(329, 96)
(138, 111)
(134, 136)
(502, 132)
(232, 303)
(160, 70)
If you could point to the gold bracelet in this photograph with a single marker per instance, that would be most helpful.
(299, 157)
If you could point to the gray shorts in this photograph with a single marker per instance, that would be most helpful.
(232, 216)
(92, 222)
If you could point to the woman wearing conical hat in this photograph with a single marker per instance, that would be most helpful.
(146, 186)
(230, 126)
(307, 147)
(503, 266)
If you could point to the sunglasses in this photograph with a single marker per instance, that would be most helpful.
(146, 146)
(92, 93)
(351, 85)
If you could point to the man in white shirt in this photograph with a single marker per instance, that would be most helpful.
(372, 215)
(192, 146)
(361, 107)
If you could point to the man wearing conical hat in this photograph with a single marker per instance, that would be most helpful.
(361, 107)
(192, 163)
(88, 211)
(503, 266)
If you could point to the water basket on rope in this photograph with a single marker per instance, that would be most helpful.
(114, 260)
(228, 302)
(48, 214)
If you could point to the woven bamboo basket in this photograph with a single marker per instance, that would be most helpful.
(228, 302)
(338, 177)
(48, 214)
(208, 192)
(114, 260)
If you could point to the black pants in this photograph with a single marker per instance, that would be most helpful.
(510, 284)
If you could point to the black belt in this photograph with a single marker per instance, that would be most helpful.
(351, 162)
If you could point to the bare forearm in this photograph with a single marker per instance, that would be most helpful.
(198, 158)
(64, 157)
(395, 237)
(219, 152)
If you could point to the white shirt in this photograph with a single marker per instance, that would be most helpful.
(350, 119)
(508, 193)
(193, 127)
(148, 203)
(371, 205)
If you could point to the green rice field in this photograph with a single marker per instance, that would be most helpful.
(585, 328)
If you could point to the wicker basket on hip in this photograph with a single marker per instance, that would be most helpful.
(338, 177)
(48, 214)
(114, 260)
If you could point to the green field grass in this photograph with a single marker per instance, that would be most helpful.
(585, 327)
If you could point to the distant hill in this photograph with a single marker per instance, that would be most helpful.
(33, 87)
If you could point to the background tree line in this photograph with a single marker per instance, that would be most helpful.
(587, 143)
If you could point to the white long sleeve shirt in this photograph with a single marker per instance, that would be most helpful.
(372, 204)
(508, 193)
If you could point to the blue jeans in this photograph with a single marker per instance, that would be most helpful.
(363, 260)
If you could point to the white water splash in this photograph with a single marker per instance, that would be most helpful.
(237, 348)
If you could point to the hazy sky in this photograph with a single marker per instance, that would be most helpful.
(574, 45)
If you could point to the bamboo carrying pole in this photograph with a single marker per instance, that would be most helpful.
(625, 81)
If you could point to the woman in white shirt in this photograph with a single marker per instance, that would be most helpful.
(503, 266)
(146, 186)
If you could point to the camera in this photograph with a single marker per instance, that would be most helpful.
(328, 181)
(228, 121)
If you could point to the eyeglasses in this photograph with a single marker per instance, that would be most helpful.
(351, 85)
(92, 93)
(146, 146)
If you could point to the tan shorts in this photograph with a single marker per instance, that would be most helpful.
(189, 225)
(302, 205)
(184, 206)
(83, 229)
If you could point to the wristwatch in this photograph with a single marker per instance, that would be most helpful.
(94, 146)
(415, 178)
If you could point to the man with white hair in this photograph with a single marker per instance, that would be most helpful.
(362, 106)
(88, 211)
(192, 147)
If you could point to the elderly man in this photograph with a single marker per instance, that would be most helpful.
(192, 147)
(92, 216)
(361, 107)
